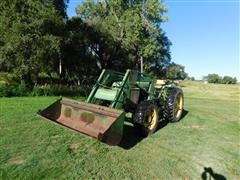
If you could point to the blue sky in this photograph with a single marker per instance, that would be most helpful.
(204, 34)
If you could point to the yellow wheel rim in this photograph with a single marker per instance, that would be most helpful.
(152, 119)
(178, 107)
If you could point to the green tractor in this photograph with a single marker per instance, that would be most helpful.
(117, 98)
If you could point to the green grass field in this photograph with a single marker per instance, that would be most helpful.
(207, 136)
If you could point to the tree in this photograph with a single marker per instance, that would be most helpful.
(190, 78)
(37, 39)
(229, 80)
(60, 6)
(30, 38)
(176, 72)
(129, 30)
(78, 61)
(214, 78)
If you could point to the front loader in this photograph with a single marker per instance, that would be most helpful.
(116, 98)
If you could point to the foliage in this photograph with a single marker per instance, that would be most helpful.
(126, 30)
(190, 78)
(23, 90)
(215, 78)
(176, 72)
(9, 78)
(229, 80)
(30, 41)
(3, 78)
(60, 91)
(14, 90)
(60, 6)
(40, 45)
(78, 62)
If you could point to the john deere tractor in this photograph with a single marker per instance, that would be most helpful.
(117, 98)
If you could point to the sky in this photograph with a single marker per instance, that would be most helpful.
(204, 35)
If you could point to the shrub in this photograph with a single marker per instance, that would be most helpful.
(214, 78)
(22, 90)
(14, 90)
(229, 80)
(8, 78)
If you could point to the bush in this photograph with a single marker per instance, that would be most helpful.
(190, 78)
(14, 90)
(3, 77)
(44, 78)
(176, 72)
(229, 80)
(22, 90)
(8, 78)
(215, 78)
(60, 91)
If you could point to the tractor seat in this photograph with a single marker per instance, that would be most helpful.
(159, 83)
(116, 84)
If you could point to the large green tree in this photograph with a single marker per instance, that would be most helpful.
(60, 6)
(229, 80)
(176, 72)
(214, 78)
(79, 64)
(128, 30)
(30, 38)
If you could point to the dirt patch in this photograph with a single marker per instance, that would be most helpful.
(72, 147)
(16, 160)
(193, 127)
(183, 174)
(92, 151)
(236, 177)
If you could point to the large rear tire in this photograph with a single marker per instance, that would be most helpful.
(146, 118)
(173, 106)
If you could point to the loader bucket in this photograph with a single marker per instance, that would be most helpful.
(100, 122)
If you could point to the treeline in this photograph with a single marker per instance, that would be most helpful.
(215, 78)
(40, 45)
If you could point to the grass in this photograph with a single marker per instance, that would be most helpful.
(207, 136)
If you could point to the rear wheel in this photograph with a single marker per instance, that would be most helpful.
(146, 117)
(173, 107)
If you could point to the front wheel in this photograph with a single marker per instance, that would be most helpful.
(173, 107)
(146, 117)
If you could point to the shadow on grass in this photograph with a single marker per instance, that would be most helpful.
(131, 136)
(208, 173)
(184, 114)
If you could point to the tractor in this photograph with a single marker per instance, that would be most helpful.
(117, 98)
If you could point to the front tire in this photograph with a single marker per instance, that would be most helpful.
(146, 118)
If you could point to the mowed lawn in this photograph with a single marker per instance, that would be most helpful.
(208, 136)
